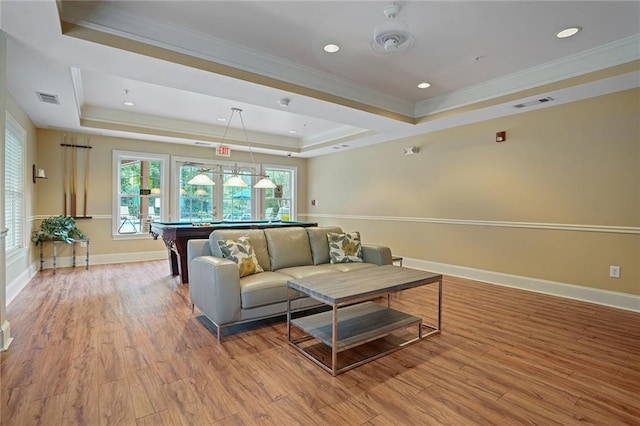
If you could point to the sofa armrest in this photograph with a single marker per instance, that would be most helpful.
(197, 248)
(379, 255)
(214, 287)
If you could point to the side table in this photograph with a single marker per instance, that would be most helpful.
(395, 259)
(86, 241)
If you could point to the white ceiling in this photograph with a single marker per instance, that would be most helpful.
(468, 50)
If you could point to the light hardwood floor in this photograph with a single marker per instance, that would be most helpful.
(118, 345)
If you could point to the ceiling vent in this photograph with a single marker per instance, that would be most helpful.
(392, 35)
(532, 103)
(202, 143)
(48, 99)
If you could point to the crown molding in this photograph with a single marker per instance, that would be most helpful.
(150, 124)
(192, 43)
(596, 59)
(331, 136)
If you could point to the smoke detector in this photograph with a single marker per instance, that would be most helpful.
(393, 34)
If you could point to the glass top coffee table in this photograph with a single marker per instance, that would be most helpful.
(354, 319)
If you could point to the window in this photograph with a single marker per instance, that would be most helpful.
(201, 202)
(197, 202)
(219, 202)
(14, 171)
(141, 191)
(279, 202)
(237, 202)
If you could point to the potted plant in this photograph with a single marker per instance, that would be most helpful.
(57, 228)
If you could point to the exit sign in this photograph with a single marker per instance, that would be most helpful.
(223, 151)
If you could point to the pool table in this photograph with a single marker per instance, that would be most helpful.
(176, 234)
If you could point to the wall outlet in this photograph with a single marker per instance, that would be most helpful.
(614, 271)
(83, 243)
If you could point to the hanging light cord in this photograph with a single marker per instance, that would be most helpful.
(244, 130)
(246, 138)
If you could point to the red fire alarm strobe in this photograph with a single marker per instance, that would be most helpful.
(501, 136)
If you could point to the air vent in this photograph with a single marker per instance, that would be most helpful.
(532, 103)
(48, 99)
(202, 143)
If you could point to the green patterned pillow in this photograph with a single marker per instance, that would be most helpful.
(241, 252)
(345, 248)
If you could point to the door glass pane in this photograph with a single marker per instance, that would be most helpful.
(236, 201)
(196, 201)
(140, 195)
(278, 200)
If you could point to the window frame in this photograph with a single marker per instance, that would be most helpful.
(257, 197)
(293, 211)
(118, 156)
(20, 248)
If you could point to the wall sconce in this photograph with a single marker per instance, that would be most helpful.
(39, 175)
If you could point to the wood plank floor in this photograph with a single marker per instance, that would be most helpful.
(118, 345)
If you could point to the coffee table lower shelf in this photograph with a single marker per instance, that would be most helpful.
(356, 325)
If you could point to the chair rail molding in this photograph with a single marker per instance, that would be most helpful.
(494, 223)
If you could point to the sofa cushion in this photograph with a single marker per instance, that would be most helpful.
(319, 244)
(256, 236)
(345, 248)
(241, 252)
(346, 267)
(263, 289)
(309, 270)
(288, 247)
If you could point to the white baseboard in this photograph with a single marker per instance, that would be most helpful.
(105, 259)
(16, 286)
(20, 282)
(5, 336)
(614, 299)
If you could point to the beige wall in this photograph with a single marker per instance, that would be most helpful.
(575, 164)
(50, 192)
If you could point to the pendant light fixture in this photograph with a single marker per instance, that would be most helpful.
(236, 179)
(236, 175)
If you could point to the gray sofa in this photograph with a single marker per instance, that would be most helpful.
(284, 253)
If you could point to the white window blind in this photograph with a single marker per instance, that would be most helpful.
(14, 168)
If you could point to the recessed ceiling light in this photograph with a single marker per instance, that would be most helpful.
(129, 103)
(293, 132)
(331, 48)
(221, 119)
(424, 85)
(568, 32)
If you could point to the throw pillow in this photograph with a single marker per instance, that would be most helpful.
(344, 248)
(241, 252)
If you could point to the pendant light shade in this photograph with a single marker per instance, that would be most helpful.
(235, 180)
(201, 179)
(265, 183)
